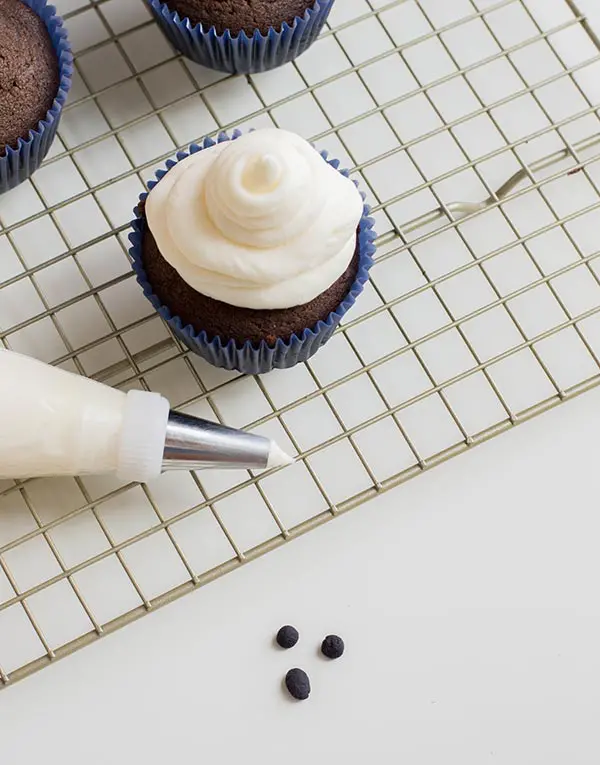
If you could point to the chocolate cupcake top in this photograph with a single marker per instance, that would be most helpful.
(29, 78)
(236, 15)
(259, 222)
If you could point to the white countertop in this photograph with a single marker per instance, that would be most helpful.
(470, 612)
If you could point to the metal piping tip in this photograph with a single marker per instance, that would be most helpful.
(195, 444)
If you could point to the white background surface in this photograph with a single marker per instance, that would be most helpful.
(468, 601)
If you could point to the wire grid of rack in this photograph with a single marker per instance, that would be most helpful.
(473, 128)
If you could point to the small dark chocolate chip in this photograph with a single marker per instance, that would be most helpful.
(287, 637)
(332, 647)
(298, 684)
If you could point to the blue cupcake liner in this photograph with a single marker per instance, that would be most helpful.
(17, 164)
(249, 357)
(242, 54)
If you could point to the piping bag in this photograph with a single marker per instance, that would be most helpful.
(55, 423)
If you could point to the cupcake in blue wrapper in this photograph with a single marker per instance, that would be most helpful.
(35, 76)
(241, 38)
(252, 248)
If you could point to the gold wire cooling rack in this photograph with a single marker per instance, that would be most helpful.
(473, 127)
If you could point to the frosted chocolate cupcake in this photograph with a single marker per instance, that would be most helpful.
(35, 75)
(253, 249)
(241, 37)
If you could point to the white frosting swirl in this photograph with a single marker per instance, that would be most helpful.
(259, 222)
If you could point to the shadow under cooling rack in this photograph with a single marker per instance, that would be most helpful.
(473, 128)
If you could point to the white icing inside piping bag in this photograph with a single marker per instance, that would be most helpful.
(277, 457)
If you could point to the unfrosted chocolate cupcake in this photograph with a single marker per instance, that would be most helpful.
(235, 15)
(29, 76)
(253, 249)
(241, 36)
(36, 66)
